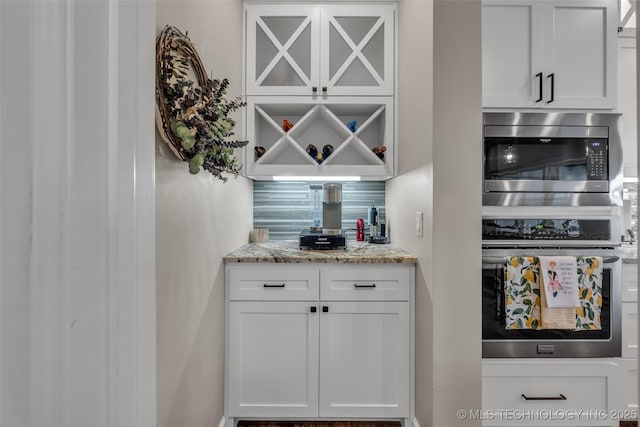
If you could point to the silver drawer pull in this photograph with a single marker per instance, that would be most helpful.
(355, 285)
(561, 397)
(266, 285)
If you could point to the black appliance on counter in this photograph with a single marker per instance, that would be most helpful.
(322, 241)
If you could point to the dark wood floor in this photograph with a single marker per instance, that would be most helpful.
(245, 423)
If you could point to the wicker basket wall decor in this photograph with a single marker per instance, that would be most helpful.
(192, 112)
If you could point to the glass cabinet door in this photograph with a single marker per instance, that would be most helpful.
(282, 50)
(320, 51)
(357, 50)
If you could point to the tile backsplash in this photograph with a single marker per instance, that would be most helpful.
(285, 207)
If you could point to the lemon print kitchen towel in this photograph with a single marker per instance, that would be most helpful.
(590, 273)
(522, 293)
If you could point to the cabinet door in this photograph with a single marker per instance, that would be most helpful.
(364, 359)
(627, 102)
(272, 363)
(511, 55)
(319, 123)
(357, 50)
(282, 49)
(580, 53)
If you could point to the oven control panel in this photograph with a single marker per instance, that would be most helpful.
(497, 229)
(597, 160)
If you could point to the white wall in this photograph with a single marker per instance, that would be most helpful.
(439, 134)
(199, 220)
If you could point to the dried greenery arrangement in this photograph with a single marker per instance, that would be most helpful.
(192, 110)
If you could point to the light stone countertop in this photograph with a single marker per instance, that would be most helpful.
(287, 251)
(629, 253)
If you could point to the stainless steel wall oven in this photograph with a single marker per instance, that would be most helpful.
(533, 236)
(552, 159)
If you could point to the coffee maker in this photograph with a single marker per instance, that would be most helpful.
(329, 235)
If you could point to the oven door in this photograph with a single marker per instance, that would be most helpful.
(497, 341)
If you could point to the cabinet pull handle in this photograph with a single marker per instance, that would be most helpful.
(325, 309)
(314, 89)
(560, 397)
(355, 285)
(552, 76)
(266, 285)
(539, 76)
(314, 309)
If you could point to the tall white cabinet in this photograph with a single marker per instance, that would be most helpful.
(549, 54)
(309, 341)
(627, 100)
(629, 362)
(320, 75)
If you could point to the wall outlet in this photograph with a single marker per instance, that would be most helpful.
(419, 225)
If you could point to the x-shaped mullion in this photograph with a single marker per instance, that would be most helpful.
(627, 16)
(356, 51)
(283, 50)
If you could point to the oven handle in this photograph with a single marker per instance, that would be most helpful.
(501, 259)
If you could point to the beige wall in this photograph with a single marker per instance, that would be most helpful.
(199, 219)
(412, 190)
(439, 129)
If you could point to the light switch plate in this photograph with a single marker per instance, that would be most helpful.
(419, 227)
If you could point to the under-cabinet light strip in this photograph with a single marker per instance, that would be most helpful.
(315, 178)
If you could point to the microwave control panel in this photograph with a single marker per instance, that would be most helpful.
(597, 160)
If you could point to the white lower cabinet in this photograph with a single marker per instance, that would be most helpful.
(326, 341)
(273, 363)
(558, 392)
(364, 354)
(629, 387)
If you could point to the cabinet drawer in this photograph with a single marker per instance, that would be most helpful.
(366, 283)
(559, 394)
(629, 282)
(273, 284)
(629, 329)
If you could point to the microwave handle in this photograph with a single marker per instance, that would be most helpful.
(501, 260)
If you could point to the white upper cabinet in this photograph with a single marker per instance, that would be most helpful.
(320, 88)
(308, 49)
(627, 102)
(549, 54)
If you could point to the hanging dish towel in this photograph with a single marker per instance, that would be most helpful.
(556, 318)
(522, 293)
(560, 279)
(590, 292)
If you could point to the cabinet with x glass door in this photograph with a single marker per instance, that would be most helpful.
(320, 89)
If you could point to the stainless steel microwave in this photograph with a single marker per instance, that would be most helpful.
(552, 159)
